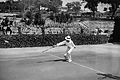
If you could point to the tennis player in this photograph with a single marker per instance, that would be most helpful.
(70, 46)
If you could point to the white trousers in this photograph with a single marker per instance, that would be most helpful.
(68, 53)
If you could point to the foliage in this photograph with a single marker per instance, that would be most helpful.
(38, 20)
(28, 14)
(92, 5)
(74, 6)
(61, 17)
(22, 5)
(47, 40)
(114, 3)
(52, 5)
(116, 15)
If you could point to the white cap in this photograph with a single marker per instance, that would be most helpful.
(67, 38)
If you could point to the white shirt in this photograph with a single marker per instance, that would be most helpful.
(69, 44)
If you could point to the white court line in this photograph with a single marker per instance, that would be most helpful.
(98, 71)
(25, 58)
(28, 57)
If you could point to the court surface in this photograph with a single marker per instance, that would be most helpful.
(31, 64)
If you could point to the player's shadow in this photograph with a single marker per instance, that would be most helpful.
(57, 60)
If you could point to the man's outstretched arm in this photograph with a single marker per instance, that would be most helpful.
(59, 44)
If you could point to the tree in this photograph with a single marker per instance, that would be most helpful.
(114, 3)
(52, 5)
(115, 10)
(69, 6)
(77, 6)
(116, 32)
(40, 21)
(2, 6)
(20, 6)
(9, 5)
(29, 16)
(74, 6)
(92, 5)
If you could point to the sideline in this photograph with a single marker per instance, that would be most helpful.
(75, 63)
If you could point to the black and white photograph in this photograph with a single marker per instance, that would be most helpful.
(59, 39)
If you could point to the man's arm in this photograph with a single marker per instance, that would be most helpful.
(73, 44)
(59, 44)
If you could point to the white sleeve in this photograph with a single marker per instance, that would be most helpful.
(61, 43)
(73, 44)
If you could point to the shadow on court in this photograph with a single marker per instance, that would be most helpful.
(57, 60)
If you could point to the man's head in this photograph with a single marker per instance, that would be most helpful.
(68, 38)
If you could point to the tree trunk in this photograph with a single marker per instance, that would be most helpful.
(19, 31)
(93, 14)
(43, 30)
(115, 6)
(64, 31)
(115, 38)
(116, 31)
(112, 17)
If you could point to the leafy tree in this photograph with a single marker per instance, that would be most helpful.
(77, 6)
(11, 6)
(69, 6)
(26, 3)
(38, 20)
(116, 15)
(61, 17)
(52, 5)
(92, 5)
(20, 6)
(2, 7)
(8, 5)
(116, 32)
(74, 6)
(114, 3)
(29, 16)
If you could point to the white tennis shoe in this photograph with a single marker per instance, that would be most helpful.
(69, 60)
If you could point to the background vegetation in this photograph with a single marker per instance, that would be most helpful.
(48, 40)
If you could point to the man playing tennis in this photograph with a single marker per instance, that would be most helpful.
(70, 46)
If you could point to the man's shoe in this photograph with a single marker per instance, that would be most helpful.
(69, 60)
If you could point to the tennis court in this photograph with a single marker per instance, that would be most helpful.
(31, 64)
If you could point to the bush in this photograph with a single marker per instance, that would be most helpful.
(48, 40)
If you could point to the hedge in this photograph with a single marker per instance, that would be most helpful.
(13, 41)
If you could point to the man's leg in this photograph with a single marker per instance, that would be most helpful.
(66, 54)
(69, 55)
